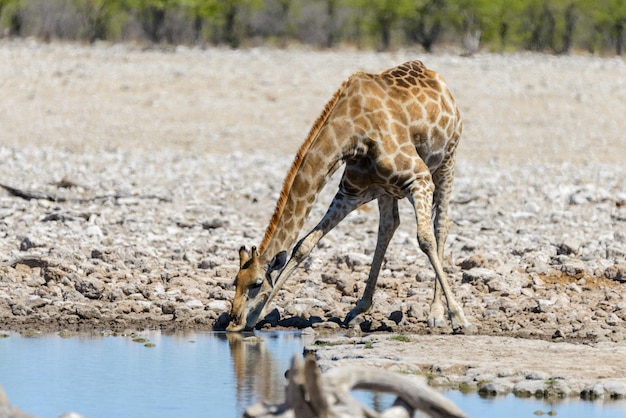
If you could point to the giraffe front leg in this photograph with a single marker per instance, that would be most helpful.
(340, 207)
(362, 306)
(389, 222)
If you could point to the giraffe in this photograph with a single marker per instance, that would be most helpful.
(397, 134)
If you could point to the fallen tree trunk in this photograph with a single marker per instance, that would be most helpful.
(309, 394)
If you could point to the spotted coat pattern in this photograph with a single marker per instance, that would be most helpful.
(397, 134)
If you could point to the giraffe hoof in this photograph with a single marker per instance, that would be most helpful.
(349, 318)
(463, 329)
(460, 325)
(435, 322)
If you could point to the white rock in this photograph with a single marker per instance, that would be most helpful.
(194, 304)
(218, 306)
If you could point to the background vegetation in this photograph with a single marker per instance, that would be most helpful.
(557, 26)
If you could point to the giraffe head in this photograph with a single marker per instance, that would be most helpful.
(253, 286)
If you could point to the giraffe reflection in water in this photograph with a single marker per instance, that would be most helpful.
(258, 374)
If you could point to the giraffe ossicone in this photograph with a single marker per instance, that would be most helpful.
(397, 134)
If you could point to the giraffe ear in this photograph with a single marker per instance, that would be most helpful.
(243, 256)
(278, 262)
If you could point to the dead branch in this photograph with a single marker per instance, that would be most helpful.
(310, 394)
(29, 195)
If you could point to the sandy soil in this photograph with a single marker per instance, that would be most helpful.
(147, 169)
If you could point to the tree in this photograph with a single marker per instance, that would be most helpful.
(151, 15)
(381, 16)
(609, 19)
(426, 22)
(331, 30)
(223, 16)
(11, 13)
(96, 16)
(500, 21)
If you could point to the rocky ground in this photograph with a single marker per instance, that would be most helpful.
(131, 177)
(490, 366)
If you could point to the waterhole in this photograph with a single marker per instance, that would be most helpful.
(191, 374)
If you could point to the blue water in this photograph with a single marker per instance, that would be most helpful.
(183, 375)
(193, 374)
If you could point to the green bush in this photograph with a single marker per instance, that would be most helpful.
(556, 26)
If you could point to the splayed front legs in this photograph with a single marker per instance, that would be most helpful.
(340, 207)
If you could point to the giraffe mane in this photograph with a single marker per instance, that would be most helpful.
(295, 166)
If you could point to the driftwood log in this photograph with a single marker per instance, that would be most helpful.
(309, 394)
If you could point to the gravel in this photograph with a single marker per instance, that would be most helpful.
(131, 177)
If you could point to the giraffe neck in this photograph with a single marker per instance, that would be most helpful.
(316, 161)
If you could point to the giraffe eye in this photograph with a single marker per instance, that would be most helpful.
(254, 289)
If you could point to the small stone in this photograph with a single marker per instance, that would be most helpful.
(568, 247)
(182, 312)
(473, 261)
(544, 305)
(605, 389)
(479, 274)
(529, 388)
(616, 272)
(535, 375)
(218, 305)
(87, 311)
(497, 285)
(353, 260)
(415, 310)
(573, 267)
(615, 388)
(489, 313)
(90, 287)
(142, 306)
(612, 319)
(168, 308)
(574, 287)
(94, 231)
(213, 223)
(18, 309)
(194, 304)
(494, 388)
(26, 244)
(206, 264)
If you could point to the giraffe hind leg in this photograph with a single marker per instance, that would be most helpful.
(421, 196)
(442, 179)
(389, 222)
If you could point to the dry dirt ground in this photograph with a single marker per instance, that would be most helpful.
(131, 177)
